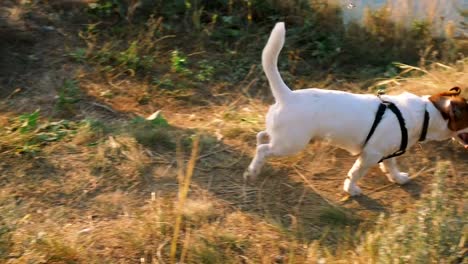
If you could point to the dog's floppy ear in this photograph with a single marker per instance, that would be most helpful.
(455, 91)
(443, 103)
(456, 107)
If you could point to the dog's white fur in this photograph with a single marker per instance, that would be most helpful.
(343, 119)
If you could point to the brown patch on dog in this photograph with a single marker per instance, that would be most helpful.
(452, 107)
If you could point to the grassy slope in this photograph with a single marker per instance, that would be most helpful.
(104, 190)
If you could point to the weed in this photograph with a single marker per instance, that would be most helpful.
(131, 59)
(68, 95)
(26, 134)
(79, 54)
(27, 122)
(124, 50)
(335, 216)
(179, 62)
(206, 71)
(164, 83)
(55, 131)
(89, 132)
(152, 133)
(102, 8)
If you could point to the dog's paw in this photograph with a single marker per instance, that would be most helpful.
(351, 189)
(249, 175)
(402, 178)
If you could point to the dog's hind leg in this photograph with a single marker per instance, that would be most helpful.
(389, 167)
(262, 138)
(263, 151)
(359, 169)
(273, 148)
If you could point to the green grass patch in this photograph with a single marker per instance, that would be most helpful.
(335, 216)
(28, 133)
(153, 133)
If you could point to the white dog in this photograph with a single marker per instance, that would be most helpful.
(345, 120)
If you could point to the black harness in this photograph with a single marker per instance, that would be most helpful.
(404, 132)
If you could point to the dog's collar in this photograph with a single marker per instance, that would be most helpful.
(425, 125)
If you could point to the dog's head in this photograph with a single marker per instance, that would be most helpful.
(454, 108)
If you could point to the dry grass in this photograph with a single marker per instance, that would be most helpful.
(117, 190)
(103, 197)
(428, 80)
(184, 185)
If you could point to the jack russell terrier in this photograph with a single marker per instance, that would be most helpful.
(358, 123)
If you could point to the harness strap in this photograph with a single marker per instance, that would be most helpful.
(425, 126)
(378, 118)
(404, 132)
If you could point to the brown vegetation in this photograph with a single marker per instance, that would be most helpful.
(91, 172)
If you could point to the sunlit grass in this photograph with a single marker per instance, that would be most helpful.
(425, 80)
(117, 189)
(434, 232)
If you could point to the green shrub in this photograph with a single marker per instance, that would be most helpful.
(153, 133)
(68, 95)
(433, 233)
(28, 134)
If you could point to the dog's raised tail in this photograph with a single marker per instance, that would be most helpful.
(270, 63)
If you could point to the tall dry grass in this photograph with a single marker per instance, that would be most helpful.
(425, 80)
(184, 185)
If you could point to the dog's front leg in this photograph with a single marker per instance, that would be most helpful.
(389, 167)
(359, 169)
